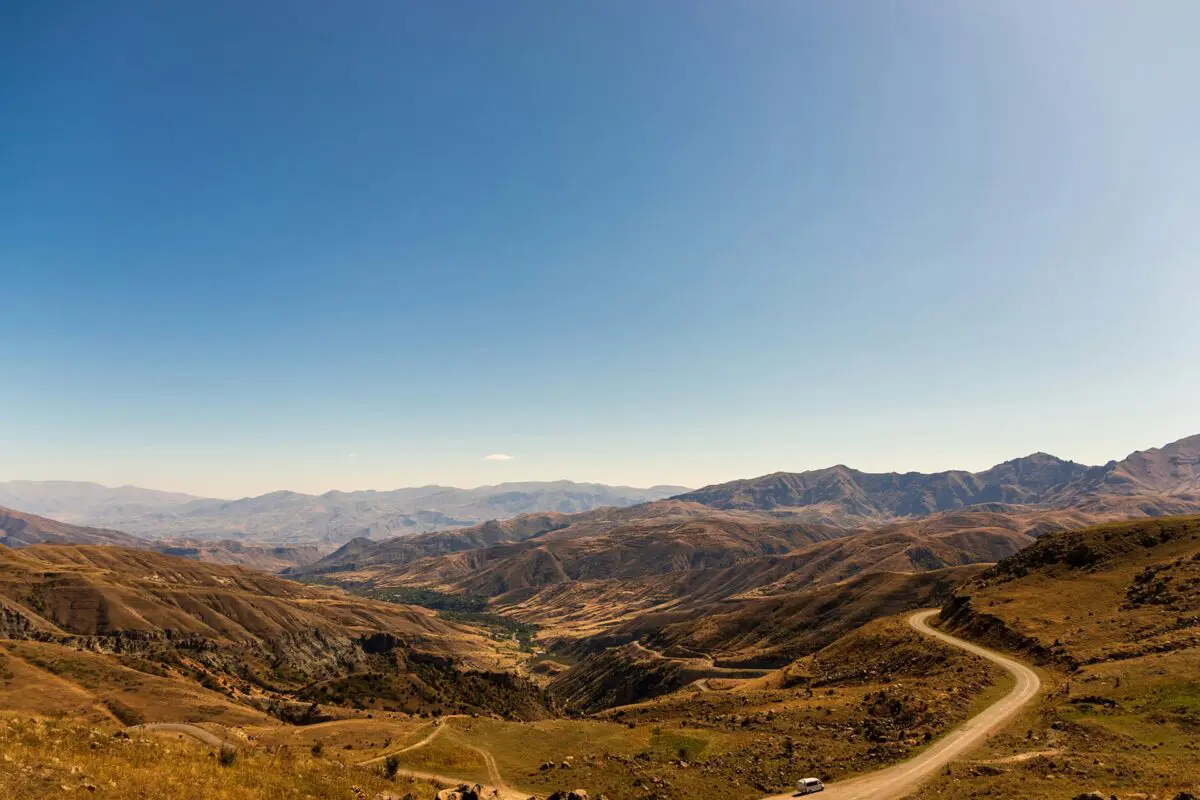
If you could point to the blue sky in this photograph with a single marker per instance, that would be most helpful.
(248, 246)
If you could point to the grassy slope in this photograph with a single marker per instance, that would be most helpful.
(204, 634)
(1127, 718)
(42, 758)
(876, 696)
(54, 678)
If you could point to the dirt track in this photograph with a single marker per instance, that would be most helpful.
(899, 780)
(887, 784)
(183, 729)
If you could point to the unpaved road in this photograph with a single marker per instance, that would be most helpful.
(899, 780)
(437, 731)
(887, 784)
(704, 665)
(197, 733)
(498, 789)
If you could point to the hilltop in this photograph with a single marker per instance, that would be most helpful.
(841, 493)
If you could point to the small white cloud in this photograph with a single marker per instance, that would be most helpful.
(497, 457)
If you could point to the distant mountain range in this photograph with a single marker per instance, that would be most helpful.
(613, 575)
(294, 518)
(1152, 482)
(840, 495)
(82, 503)
(752, 574)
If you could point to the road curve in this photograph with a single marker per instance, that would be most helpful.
(887, 784)
(899, 780)
(437, 731)
(192, 731)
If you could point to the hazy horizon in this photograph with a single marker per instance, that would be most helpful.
(274, 246)
(508, 480)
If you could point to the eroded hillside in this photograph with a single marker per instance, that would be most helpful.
(259, 640)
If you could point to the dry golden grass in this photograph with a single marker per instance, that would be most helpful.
(884, 690)
(42, 758)
(366, 738)
(25, 688)
(449, 754)
(64, 680)
(1126, 721)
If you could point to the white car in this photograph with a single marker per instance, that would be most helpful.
(809, 785)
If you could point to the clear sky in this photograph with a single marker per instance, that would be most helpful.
(312, 245)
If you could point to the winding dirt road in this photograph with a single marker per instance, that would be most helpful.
(437, 731)
(887, 784)
(897, 781)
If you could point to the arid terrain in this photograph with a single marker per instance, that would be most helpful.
(719, 645)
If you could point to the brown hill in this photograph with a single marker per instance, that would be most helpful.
(1096, 594)
(378, 557)
(261, 557)
(603, 581)
(1113, 613)
(252, 633)
(657, 541)
(361, 553)
(1155, 481)
(741, 638)
(775, 630)
(843, 493)
(114, 592)
(588, 576)
(1167, 480)
(18, 529)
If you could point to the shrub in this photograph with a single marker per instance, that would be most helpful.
(226, 756)
(127, 716)
(391, 766)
